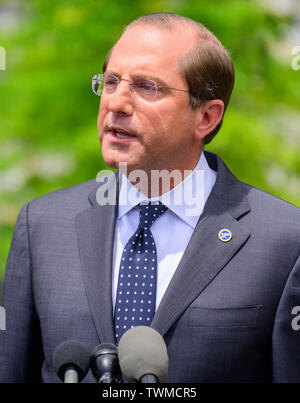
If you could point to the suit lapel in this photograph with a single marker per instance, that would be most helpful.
(95, 234)
(206, 255)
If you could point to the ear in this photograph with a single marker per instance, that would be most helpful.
(210, 115)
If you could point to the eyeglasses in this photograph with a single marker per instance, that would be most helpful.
(139, 87)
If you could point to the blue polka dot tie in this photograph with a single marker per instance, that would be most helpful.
(136, 293)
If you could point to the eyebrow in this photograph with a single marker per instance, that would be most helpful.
(158, 81)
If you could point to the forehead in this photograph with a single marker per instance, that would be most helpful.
(149, 48)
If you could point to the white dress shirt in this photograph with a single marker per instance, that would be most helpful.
(172, 231)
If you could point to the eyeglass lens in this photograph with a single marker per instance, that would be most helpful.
(145, 89)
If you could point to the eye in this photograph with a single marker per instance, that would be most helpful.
(110, 81)
(145, 85)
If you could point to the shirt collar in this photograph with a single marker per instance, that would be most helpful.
(186, 200)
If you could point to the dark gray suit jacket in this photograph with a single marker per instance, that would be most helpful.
(226, 315)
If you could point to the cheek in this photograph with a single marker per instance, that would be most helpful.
(155, 123)
(100, 119)
(101, 111)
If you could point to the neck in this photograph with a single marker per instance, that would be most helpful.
(155, 182)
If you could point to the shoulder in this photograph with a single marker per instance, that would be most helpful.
(274, 223)
(269, 207)
(264, 214)
(76, 193)
(262, 203)
(63, 203)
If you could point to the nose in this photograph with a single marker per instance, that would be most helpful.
(121, 101)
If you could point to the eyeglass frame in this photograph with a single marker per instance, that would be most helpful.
(99, 77)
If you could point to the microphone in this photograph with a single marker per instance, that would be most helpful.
(71, 361)
(105, 364)
(143, 355)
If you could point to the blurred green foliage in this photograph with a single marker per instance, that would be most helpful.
(48, 135)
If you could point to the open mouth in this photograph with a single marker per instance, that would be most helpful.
(120, 134)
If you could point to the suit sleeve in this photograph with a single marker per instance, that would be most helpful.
(286, 331)
(20, 343)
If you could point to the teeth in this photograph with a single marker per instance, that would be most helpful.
(121, 136)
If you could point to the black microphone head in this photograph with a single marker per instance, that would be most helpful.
(105, 348)
(71, 353)
(142, 351)
(105, 363)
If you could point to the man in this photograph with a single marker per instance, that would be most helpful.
(225, 276)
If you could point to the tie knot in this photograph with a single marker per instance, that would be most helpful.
(149, 212)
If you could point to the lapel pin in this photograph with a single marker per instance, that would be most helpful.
(225, 235)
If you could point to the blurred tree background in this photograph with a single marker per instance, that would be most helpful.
(48, 134)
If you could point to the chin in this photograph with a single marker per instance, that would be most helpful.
(114, 163)
(113, 160)
(111, 163)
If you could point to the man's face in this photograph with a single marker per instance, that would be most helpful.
(161, 131)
